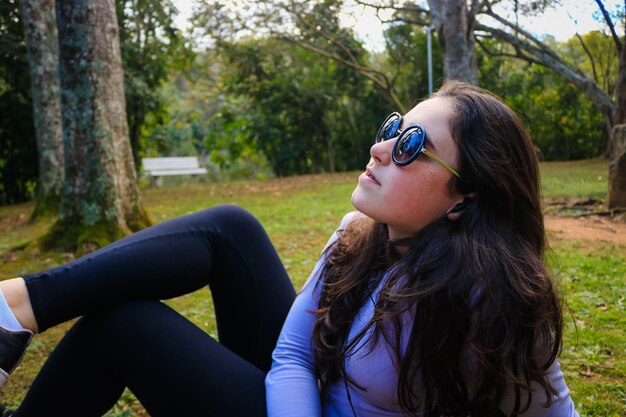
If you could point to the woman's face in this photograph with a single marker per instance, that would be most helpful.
(410, 197)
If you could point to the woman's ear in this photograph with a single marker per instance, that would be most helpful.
(455, 212)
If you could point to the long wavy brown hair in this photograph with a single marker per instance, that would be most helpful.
(486, 314)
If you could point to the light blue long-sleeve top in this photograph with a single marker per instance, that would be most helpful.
(292, 386)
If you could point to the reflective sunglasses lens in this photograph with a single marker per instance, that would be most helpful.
(389, 130)
(409, 145)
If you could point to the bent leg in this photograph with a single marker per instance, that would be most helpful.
(172, 366)
(225, 247)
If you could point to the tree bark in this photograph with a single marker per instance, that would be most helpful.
(100, 200)
(620, 89)
(43, 57)
(617, 161)
(455, 24)
(617, 168)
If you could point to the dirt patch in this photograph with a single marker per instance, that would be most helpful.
(595, 228)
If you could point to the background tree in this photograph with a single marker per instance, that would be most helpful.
(151, 46)
(454, 20)
(18, 147)
(100, 201)
(312, 25)
(406, 52)
(191, 97)
(305, 114)
(43, 57)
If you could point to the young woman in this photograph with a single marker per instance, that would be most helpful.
(431, 300)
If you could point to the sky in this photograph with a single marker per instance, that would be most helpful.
(562, 22)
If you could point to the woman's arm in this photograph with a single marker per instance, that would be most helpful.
(562, 406)
(291, 384)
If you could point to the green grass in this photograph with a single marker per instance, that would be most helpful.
(593, 279)
(575, 179)
(299, 214)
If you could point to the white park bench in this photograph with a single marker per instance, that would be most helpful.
(160, 167)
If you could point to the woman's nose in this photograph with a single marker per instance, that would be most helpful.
(381, 151)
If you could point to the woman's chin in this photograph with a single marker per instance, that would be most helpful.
(360, 202)
(357, 199)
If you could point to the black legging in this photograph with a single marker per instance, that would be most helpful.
(127, 338)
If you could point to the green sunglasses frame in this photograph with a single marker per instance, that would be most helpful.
(401, 134)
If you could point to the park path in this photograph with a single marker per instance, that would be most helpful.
(587, 228)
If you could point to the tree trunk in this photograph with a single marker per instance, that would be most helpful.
(100, 200)
(135, 121)
(43, 57)
(617, 168)
(617, 162)
(454, 23)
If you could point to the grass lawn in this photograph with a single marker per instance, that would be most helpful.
(300, 213)
(572, 179)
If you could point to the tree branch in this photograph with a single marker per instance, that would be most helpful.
(417, 22)
(525, 33)
(396, 59)
(519, 55)
(593, 62)
(607, 18)
(377, 77)
(475, 8)
(581, 80)
(410, 11)
(332, 39)
(392, 6)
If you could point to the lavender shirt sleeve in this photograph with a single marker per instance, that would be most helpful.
(562, 406)
(291, 384)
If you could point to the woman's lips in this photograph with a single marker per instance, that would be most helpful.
(370, 175)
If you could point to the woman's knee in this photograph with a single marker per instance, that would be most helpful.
(229, 213)
(232, 220)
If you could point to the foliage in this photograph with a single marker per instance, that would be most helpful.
(407, 53)
(304, 113)
(312, 25)
(190, 99)
(18, 149)
(151, 46)
(201, 120)
(563, 124)
(595, 54)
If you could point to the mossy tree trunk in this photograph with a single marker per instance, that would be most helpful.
(40, 31)
(100, 199)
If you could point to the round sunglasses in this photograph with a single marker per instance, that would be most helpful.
(410, 143)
